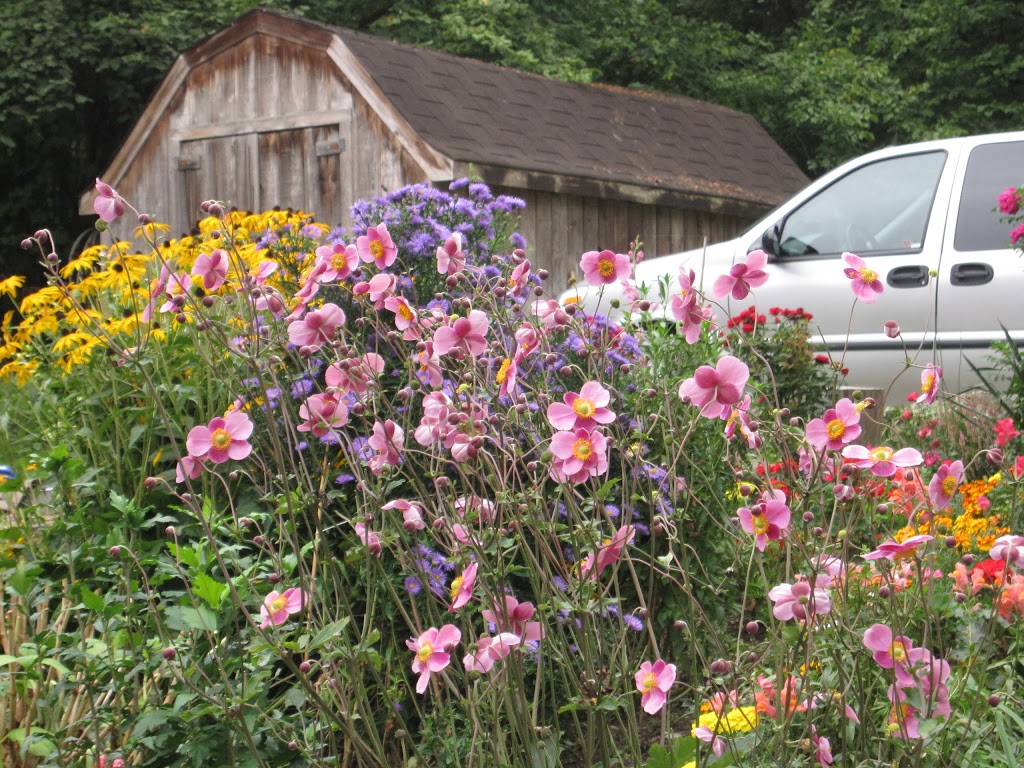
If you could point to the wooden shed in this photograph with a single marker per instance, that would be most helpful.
(278, 110)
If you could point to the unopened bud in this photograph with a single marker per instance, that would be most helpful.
(892, 329)
(170, 653)
(115, 551)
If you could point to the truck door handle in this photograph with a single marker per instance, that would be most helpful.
(973, 273)
(908, 277)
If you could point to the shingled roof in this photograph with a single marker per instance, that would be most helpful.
(477, 112)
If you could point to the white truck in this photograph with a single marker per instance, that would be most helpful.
(923, 216)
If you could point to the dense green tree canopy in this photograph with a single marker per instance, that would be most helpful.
(829, 79)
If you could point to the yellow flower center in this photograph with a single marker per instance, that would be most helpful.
(503, 370)
(760, 523)
(404, 312)
(278, 604)
(582, 449)
(836, 429)
(881, 453)
(338, 261)
(867, 275)
(456, 587)
(423, 654)
(376, 249)
(898, 652)
(928, 383)
(220, 438)
(606, 267)
(949, 486)
(584, 407)
(648, 683)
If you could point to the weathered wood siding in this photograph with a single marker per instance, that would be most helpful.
(559, 228)
(263, 123)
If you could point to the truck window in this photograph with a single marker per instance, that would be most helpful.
(991, 168)
(877, 208)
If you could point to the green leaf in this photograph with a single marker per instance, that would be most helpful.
(186, 555)
(657, 757)
(183, 617)
(91, 600)
(209, 589)
(54, 664)
(327, 632)
(150, 721)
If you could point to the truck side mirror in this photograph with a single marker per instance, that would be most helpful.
(770, 240)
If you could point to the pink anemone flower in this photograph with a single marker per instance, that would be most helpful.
(515, 617)
(838, 427)
(799, 601)
(377, 246)
(607, 554)
(108, 204)
(431, 649)
(278, 606)
(898, 550)
(317, 327)
(189, 468)
(578, 455)
(584, 410)
(1009, 548)
(866, 285)
(892, 652)
(379, 288)
(931, 376)
(687, 310)
(944, 484)
(468, 334)
(519, 280)
(405, 317)
(387, 440)
(462, 587)
(604, 267)
(654, 681)
(222, 439)
(882, 461)
(742, 277)
(322, 415)
(370, 539)
(412, 514)
(767, 520)
(490, 650)
(339, 261)
(354, 374)
(450, 258)
(212, 269)
(716, 390)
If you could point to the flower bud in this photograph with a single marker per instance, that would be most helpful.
(951, 541)
(993, 700)
(994, 455)
(115, 551)
(720, 667)
(843, 492)
(883, 592)
(170, 531)
(753, 627)
(304, 667)
(892, 329)
(170, 653)
(26, 244)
